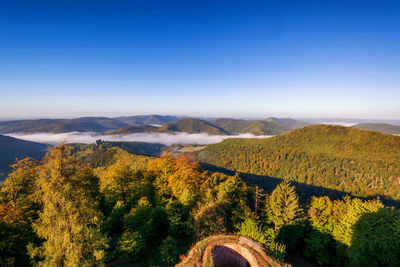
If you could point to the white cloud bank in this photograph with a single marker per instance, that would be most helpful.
(340, 123)
(162, 138)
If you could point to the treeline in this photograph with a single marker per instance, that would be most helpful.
(147, 211)
(362, 163)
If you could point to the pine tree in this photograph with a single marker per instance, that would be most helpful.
(69, 221)
(283, 205)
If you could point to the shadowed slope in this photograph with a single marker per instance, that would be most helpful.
(12, 148)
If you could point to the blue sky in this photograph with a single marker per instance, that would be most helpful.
(204, 58)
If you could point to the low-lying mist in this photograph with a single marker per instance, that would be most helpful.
(162, 138)
(340, 123)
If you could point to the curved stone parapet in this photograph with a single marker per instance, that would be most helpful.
(228, 250)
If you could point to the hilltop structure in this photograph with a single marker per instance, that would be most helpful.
(228, 250)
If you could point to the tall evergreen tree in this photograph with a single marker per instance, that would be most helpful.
(69, 221)
(283, 205)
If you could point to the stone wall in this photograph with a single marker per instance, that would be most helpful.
(228, 250)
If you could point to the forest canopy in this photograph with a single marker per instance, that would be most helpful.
(86, 208)
(362, 163)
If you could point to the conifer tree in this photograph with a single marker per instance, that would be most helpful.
(69, 221)
(283, 205)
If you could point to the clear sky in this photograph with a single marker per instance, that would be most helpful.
(209, 58)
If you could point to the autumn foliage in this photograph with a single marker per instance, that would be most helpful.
(70, 210)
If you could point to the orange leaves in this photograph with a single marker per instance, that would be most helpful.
(178, 175)
(12, 215)
(20, 184)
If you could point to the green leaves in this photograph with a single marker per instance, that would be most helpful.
(376, 239)
(354, 229)
(251, 229)
(131, 244)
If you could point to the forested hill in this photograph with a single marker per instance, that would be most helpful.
(224, 126)
(359, 162)
(256, 127)
(191, 125)
(291, 123)
(12, 148)
(380, 127)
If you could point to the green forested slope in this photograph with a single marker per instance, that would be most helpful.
(191, 125)
(264, 128)
(359, 162)
(256, 127)
(291, 123)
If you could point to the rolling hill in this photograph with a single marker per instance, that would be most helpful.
(12, 148)
(147, 119)
(264, 128)
(380, 127)
(84, 124)
(359, 162)
(145, 123)
(191, 125)
(290, 123)
(230, 125)
(220, 126)
(256, 127)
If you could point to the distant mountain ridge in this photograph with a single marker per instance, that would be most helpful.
(291, 123)
(147, 119)
(223, 126)
(151, 123)
(84, 124)
(380, 127)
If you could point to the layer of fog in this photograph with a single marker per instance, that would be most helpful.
(349, 122)
(340, 123)
(162, 138)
